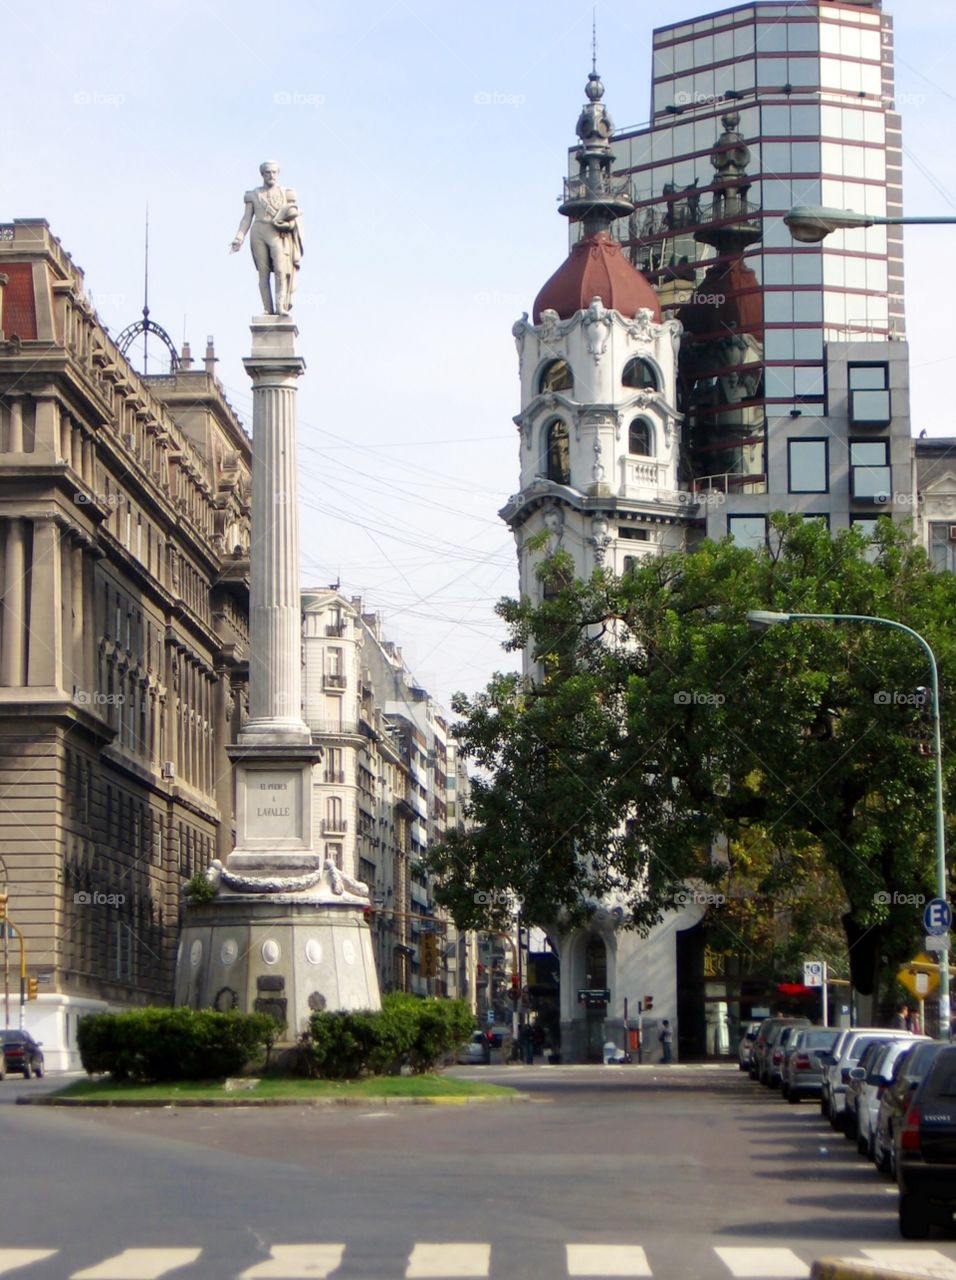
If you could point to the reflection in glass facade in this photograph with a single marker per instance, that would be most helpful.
(808, 90)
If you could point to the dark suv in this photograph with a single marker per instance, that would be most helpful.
(908, 1071)
(926, 1150)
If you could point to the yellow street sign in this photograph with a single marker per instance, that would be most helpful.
(919, 981)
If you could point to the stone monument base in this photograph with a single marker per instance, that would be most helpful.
(285, 954)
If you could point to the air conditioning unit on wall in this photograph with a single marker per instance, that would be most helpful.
(169, 769)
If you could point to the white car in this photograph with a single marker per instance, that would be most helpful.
(871, 1090)
(840, 1062)
(475, 1052)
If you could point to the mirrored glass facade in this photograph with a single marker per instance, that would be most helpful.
(797, 99)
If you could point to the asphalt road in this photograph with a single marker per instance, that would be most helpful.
(679, 1172)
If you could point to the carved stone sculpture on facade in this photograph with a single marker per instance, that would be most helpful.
(273, 215)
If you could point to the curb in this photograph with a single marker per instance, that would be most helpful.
(841, 1269)
(168, 1104)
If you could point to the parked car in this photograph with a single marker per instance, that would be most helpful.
(841, 1060)
(770, 1028)
(20, 1053)
(475, 1052)
(802, 1063)
(926, 1150)
(777, 1054)
(745, 1048)
(878, 1078)
(856, 1082)
(908, 1071)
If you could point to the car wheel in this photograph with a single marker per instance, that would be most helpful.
(849, 1125)
(892, 1163)
(785, 1088)
(824, 1109)
(862, 1143)
(38, 1070)
(27, 1071)
(914, 1218)
(792, 1096)
(836, 1122)
(3, 1068)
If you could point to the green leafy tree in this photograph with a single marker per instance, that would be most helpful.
(658, 723)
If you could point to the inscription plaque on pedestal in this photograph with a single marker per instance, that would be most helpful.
(272, 809)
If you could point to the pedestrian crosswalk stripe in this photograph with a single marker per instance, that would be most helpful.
(139, 1264)
(12, 1259)
(607, 1260)
(763, 1262)
(448, 1260)
(297, 1262)
(912, 1258)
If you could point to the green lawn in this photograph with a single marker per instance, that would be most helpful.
(427, 1086)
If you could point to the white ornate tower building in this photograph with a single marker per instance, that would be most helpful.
(598, 423)
(600, 471)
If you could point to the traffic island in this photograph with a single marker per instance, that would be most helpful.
(381, 1091)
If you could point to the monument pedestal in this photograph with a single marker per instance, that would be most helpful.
(285, 932)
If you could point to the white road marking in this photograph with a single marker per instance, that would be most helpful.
(766, 1263)
(448, 1260)
(297, 1262)
(139, 1264)
(11, 1259)
(924, 1262)
(607, 1260)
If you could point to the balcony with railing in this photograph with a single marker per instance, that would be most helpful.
(335, 826)
(333, 680)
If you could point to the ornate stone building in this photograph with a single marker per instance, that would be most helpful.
(124, 529)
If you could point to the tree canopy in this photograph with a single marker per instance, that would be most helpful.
(658, 740)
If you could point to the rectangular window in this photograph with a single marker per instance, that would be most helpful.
(942, 546)
(808, 466)
(869, 395)
(748, 531)
(869, 470)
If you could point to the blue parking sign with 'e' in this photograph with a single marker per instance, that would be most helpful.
(937, 916)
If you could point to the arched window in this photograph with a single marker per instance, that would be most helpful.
(557, 448)
(640, 374)
(640, 438)
(555, 376)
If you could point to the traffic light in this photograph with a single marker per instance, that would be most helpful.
(3, 907)
(648, 1004)
(367, 913)
(428, 955)
(515, 993)
(32, 988)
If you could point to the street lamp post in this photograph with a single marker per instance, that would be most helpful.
(811, 223)
(761, 618)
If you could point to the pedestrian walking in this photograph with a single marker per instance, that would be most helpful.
(666, 1038)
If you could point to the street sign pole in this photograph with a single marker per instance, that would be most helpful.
(824, 994)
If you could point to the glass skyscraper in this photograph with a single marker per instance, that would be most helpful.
(756, 109)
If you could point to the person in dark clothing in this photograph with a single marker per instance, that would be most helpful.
(666, 1038)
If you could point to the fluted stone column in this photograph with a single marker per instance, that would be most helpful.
(12, 650)
(275, 680)
(274, 753)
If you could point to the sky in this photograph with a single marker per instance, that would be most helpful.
(426, 142)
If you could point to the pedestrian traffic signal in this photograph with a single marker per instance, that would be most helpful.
(3, 907)
(32, 988)
(648, 1004)
(367, 913)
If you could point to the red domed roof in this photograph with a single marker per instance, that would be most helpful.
(596, 268)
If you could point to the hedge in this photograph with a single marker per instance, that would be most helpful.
(172, 1044)
(343, 1045)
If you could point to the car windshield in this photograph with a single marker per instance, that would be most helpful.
(856, 1051)
(12, 1037)
(941, 1082)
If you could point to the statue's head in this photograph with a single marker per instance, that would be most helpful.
(270, 171)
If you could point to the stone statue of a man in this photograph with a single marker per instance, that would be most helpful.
(276, 241)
